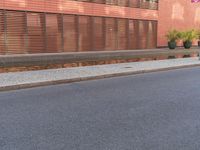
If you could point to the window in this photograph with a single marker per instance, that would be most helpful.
(31, 32)
(84, 0)
(2, 33)
(70, 33)
(111, 2)
(16, 32)
(110, 34)
(133, 34)
(123, 3)
(151, 35)
(98, 33)
(36, 32)
(53, 33)
(122, 36)
(85, 36)
(143, 30)
(134, 3)
(149, 4)
(99, 1)
(146, 4)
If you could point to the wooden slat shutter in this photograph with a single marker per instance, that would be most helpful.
(123, 3)
(85, 33)
(134, 3)
(70, 33)
(110, 34)
(36, 32)
(53, 33)
(15, 32)
(133, 34)
(99, 1)
(2, 33)
(143, 30)
(98, 33)
(122, 34)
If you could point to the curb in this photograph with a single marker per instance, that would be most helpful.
(56, 82)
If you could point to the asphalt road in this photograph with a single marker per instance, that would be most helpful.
(154, 111)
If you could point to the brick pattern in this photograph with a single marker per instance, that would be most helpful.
(178, 14)
(81, 8)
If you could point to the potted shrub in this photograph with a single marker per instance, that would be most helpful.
(172, 36)
(188, 37)
(198, 36)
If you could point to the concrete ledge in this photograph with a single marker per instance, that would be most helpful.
(26, 60)
(21, 80)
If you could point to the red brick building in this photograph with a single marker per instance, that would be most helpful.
(42, 26)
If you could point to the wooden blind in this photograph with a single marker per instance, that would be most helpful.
(122, 34)
(146, 4)
(84, 0)
(143, 30)
(31, 32)
(153, 33)
(70, 33)
(36, 32)
(98, 33)
(111, 2)
(2, 33)
(110, 34)
(123, 3)
(53, 33)
(16, 32)
(99, 1)
(85, 34)
(133, 34)
(134, 3)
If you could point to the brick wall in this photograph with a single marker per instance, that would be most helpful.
(73, 7)
(177, 14)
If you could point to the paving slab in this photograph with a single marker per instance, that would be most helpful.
(27, 79)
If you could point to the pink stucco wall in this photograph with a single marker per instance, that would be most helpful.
(177, 14)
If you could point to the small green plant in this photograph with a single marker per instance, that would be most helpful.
(189, 36)
(173, 35)
(198, 34)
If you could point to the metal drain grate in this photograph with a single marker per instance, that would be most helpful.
(128, 67)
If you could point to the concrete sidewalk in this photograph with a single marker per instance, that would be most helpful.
(18, 80)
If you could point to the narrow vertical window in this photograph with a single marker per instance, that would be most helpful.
(70, 33)
(143, 30)
(36, 35)
(98, 33)
(123, 3)
(16, 32)
(2, 33)
(122, 36)
(134, 3)
(133, 34)
(110, 34)
(53, 33)
(85, 36)
(99, 1)
(111, 2)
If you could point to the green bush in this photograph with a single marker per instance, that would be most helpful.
(189, 36)
(198, 34)
(173, 35)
